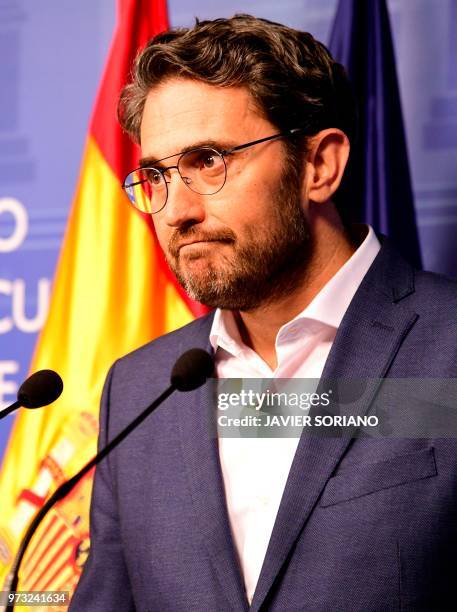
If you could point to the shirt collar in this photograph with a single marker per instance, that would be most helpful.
(328, 306)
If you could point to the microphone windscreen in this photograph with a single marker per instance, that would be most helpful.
(40, 389)
(192, 369)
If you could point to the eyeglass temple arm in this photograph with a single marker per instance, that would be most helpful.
(251, 144)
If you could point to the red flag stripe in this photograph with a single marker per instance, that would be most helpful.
(146, 19)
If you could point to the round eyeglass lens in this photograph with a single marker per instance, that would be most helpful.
(146, 189)
(203, 170)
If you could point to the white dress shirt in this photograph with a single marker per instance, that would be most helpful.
(255, 470)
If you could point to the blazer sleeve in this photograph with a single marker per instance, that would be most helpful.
(104, 584)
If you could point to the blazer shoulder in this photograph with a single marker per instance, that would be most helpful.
(168, 347)
(436, 290)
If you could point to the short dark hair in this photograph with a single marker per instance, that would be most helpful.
(292, 78)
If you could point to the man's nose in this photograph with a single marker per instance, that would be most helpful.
(183, 206)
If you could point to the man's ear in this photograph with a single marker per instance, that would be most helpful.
(328, 153)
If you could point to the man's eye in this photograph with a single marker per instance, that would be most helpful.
(201, 160)
(209, 161)
(153, 177)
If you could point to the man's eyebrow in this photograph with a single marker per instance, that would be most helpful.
(219, 145)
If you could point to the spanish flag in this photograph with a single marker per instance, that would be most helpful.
(112, 292)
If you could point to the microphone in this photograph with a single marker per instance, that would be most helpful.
(190, 371)
(40, 389)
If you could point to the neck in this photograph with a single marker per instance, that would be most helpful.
(331, 249)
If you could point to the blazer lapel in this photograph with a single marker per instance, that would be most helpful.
(195, 416)
(367, 341)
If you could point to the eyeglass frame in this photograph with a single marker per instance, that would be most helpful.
(222, 154)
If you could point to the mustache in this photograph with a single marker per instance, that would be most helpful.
(182, 234)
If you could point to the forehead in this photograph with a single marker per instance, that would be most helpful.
(181, 112)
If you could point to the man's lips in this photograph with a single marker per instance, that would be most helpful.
(178, 242)
(191, 242)
(200, 242)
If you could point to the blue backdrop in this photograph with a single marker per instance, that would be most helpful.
(52, 54)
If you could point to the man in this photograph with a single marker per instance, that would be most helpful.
(245, 129)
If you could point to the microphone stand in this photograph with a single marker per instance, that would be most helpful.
(12, 579)
(11, 408)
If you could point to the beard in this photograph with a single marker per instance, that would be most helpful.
(262, 270)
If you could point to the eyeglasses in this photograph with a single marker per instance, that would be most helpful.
(203, 170)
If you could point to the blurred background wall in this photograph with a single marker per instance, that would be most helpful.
(51, 57)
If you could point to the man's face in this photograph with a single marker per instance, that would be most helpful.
(249, 243)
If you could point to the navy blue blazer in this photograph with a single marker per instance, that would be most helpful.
(364, 525)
